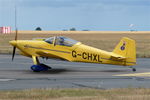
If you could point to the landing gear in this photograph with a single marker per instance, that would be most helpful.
(40, 67)
(133, 69)
(37, 67)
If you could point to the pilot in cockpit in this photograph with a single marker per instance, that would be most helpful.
(61, 41)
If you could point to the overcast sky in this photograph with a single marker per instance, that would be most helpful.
(97, 15)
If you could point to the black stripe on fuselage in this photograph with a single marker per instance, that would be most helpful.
(27, 46)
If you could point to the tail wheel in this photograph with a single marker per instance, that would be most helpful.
(133, 69)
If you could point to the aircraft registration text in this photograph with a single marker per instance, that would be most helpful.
(87, 56)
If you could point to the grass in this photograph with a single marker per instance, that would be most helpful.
(102, 40)
(77, 94)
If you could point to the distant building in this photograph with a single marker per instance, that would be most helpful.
(5, 30)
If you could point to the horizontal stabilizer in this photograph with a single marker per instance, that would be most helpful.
(117, 57)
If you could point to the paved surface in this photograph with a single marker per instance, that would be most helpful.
(17, 75)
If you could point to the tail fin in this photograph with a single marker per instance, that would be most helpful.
(127, 49)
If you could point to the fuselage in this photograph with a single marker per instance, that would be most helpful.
(75, 53)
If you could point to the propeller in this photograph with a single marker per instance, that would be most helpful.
(14, 48)
(14, 51)
(16, 35)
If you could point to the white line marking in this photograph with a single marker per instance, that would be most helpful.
(135, 74)
(5, 80)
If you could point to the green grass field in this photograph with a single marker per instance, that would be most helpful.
(105, 40)
(77, 94)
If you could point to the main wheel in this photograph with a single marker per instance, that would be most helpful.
(38, 68)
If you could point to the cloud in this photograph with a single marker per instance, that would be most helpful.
(46, 3)
(7, 3)
(97, 14)
(127, 2)
(76, 3)
(73, 3)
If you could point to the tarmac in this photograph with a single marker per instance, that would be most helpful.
(17, 75)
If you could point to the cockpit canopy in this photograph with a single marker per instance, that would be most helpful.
(60, 40)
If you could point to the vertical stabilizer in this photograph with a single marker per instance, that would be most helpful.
(127, 49)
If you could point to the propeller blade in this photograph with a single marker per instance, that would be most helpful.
(16, 35)
(14, 51)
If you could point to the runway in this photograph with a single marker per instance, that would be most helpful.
(17, 74)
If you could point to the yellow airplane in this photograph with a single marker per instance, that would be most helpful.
(71, 50)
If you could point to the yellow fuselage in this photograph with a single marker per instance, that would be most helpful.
(77, 53)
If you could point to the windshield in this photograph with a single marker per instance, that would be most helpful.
(49, 40)
(64, 41)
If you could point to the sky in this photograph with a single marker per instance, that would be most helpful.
(94, 15)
